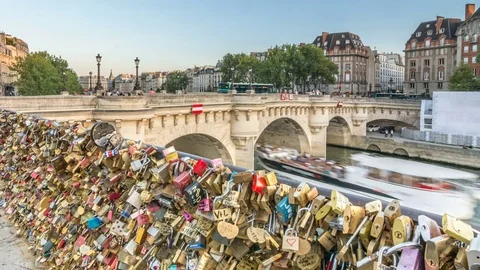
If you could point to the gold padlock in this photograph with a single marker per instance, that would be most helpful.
(457, 229)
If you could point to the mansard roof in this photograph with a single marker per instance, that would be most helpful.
(342, 40)
(428, 30)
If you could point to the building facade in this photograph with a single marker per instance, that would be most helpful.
(430, 56)
(152, 80)
(467, 39)
(259, 55)
(10, 48)
(124, 83)
(190, 73)
(206, 79)
(389, 72)
(84, 81)
(355, 62)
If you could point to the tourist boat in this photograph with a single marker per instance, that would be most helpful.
(417, 185)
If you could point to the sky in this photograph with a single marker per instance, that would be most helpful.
(178, 34)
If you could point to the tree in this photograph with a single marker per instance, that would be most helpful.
(463, 79)
(176, 80)
(43, 74)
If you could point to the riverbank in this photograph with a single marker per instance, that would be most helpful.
(423, 151)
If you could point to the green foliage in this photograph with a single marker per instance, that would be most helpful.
(285, 66)
(463, 79)
(45, 74)
(176, 80)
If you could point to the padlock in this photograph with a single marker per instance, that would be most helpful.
(285, 210)
(436, 247)
(473, 253)
(181, 182)
(339, 202)
(402, 229)
(457, 229)
(289, 242)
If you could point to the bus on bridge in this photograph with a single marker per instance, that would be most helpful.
(260, 88)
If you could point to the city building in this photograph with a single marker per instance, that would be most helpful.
(206, 79)
(124, 83)
(190, 73)
(10, 48)
(467, 39)
(152, 80)
(110, 81)
(355, 61)
(259, 55)
(430, 55)
(389, 72)
(84, 81)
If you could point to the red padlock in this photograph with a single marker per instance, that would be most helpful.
(181, 182)
(200, 167)
(143, 219)
(258, 184)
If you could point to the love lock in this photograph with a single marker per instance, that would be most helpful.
(290, 242)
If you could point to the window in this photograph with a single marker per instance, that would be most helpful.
(441, 75)
(419, 34)
(439, 86)
(414, 54)
(326, 43)
(465, 60)
(425, 85)
(465, 38)
(414, 45)
(412, 75)
(348, 50)
(427, 43)
(442, 30)
(474, 48)
(426, 62)
(347, 67)
(426, 75)
(347, 41)
(429, 32)
(474, 60)
(441, 61)
(474, 38)
(465, 48)
(337, 42)
(428, 25)
(412, 85)
(347, 77)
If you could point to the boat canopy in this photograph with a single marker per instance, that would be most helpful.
(408, 167)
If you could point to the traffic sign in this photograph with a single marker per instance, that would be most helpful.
(197, 108)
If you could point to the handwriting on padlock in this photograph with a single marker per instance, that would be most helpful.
(308, 261)
(256, 235)
(222, 214)
(227, 230)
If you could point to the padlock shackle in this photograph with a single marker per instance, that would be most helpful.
(402, 246)
(295, 223)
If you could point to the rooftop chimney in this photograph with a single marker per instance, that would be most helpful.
(324, 37)
(438, 25)
(469, 10)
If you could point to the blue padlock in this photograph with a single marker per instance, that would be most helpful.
(94, 223)
(285, 210)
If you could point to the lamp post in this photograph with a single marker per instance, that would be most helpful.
(251, 79)
(64, 83)
(136, 87)
(99, 86)
(90, 89)
(233, 77)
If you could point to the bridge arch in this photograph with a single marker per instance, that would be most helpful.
(374, 148)
(339, 131)
(401, 152)
(398, 124)
(202, 145)
(285, 132)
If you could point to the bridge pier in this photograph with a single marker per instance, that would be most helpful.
(244, 151)
(318, 141)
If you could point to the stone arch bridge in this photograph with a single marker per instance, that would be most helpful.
(230, 125)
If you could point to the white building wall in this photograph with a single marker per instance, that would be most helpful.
(456, 113)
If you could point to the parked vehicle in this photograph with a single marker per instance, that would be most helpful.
(373, 128)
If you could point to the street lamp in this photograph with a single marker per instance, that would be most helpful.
(251, 79)
(233, 77)
(90, 89)
(99, 86)
(64, 84)
(136, 87)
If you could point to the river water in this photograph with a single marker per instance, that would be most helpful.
(342, 155)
